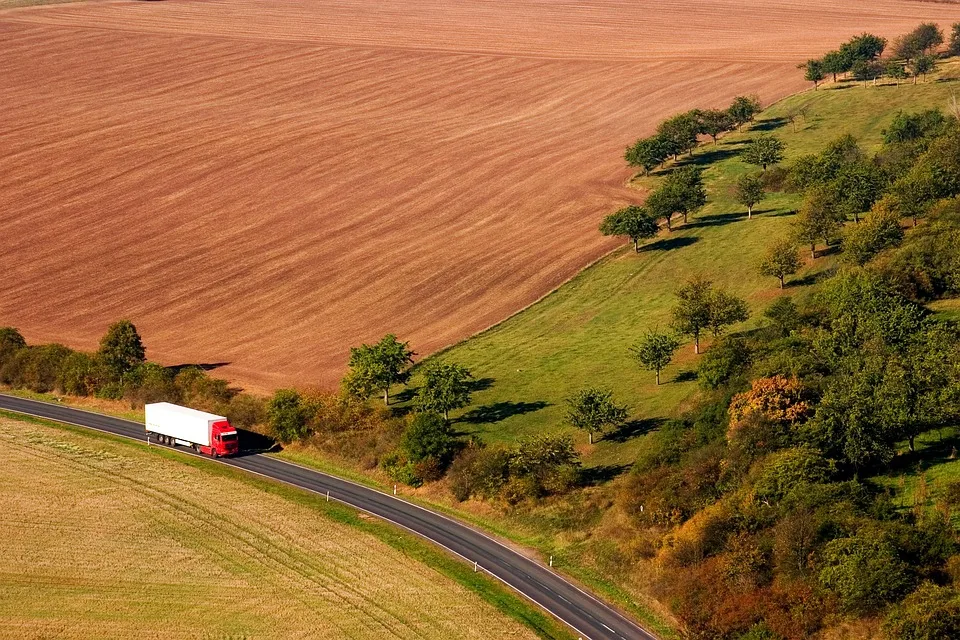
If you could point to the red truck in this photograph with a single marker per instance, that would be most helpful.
(207, 433)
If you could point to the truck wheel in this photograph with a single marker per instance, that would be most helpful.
(214, 454)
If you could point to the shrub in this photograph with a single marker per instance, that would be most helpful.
(789, 470)
(36, 368)
(121, 348)
(726, 359)
(287, 416)
(195, 388)
(429, 437)
(81, 374)
(245, 411)
(929, 613)
(398, 468)
(150, 382)
(10, 342)
(864, 572)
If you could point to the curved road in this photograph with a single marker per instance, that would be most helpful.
(587, 615)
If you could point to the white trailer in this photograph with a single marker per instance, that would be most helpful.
(172, 424)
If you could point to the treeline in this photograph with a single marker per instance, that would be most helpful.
(680, 134)
(913, 55)
(119, 370)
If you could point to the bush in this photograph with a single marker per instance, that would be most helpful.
(775, 179)
(121, 348)
(429, 437)
(929, 613)
(287, 416)
(196, 389)
(148, 383)
(81, 374)
(10, 342)
(728, 358)
(36, 368)
(864, 572)
(400, 469)
(245, 411)
(790, 470)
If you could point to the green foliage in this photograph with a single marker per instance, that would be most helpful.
(929, 613)
(784, 315)
(655, 351)
(691, 314)
(150, 382)
(446, 386)
(922, 65)
(744, 109)
(400, 469)
(727, 358)
(954, 39)
(922, 40)
(814, 72)
(910, 127)
(37, 368)
(682, 192)
(866, 70)
(879, 230)
(781, 259)
(835, 62)
(896, 70)
(287, 416)
(647, 153)
(594, 411)
(546, 463)
(713, 122)
(725, 309)
(11, 341)
(864, 47)
(864, 572)
(377, 367)
(121, 348)
(791, 470)
(81, 374)
(679, 133)
(763, 151)
(429, 436)
(633, 222)
(750, 191)
(819, 218)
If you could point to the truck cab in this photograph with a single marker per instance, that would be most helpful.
(223, 441)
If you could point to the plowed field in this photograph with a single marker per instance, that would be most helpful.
(267, 183)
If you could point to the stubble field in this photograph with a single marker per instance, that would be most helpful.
(265, 184)
(104, 540)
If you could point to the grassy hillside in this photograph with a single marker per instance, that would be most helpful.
(105, 539)
(580, 334)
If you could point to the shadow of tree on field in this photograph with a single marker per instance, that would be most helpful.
(771, 124)
(481, 384)
(600, 474)
(685, 376)
(252, 443)
(633, 429)
(715, 220)
(666, 244)
(499, 411)
(203, 366)
(811, 278)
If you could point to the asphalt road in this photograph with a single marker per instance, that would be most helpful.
(588, 616)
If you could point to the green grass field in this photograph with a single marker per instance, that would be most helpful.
(580, 335)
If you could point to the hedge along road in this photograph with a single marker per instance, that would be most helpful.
(585, 614)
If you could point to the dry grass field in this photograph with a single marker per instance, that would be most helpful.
(268, 183)
(104, 540)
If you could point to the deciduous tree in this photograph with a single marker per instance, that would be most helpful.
(594, 411)
(814, 72)
(743, 109)
(377, 367)
(633, 221)
(781, 259)
(655, 351)
(714, 122)
(121, 348)
(763, 151)
(446, 386)
(750, 192)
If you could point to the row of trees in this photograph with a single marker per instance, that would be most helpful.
(914, 52)
(680, 134)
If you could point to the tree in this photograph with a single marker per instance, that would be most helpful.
(818, 219)
(896, 71)
(763, 151)
(287, 416)
(11, 341)
(545, 460)
(679, 133)
(866, 70)
(725, 309)
(781, 259)
(121, 348)
(647, 153)
(880, 229)
(682, 192)
(445, 387)
(864, 47)
(655, 351)
(377, 367)
(921, 66)
(835, 62)
(633, 221)
(594, 411)
(713, 122)
(922, 40)
(857, 186)
(429, 437)
(750, 192)
(691, 314)
(743, 109)
(814, 72)
(954, 49)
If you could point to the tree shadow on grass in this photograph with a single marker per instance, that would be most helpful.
(633, 429)
(934, 453)
(715, 220)
(499, 411)
(481, 384)
(601, 474)
(666, 244)
(771, 124)
(811, 278)
(685, 376)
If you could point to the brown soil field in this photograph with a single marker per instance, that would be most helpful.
(104, 540)
(268, 183)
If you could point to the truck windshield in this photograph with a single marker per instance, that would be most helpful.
(228, 437)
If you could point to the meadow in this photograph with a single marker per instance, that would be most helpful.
(103, 538)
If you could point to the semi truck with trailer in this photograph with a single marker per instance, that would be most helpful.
(207, 433)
